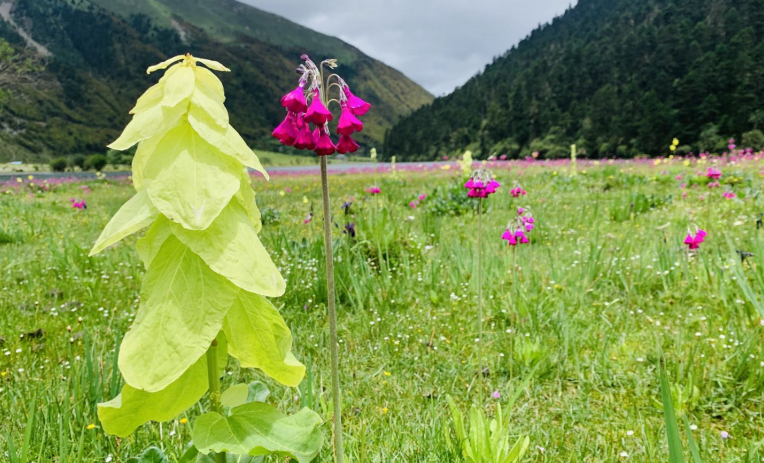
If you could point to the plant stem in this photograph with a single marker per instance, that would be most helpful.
(214, 383)
(480, 299)
(339, 452)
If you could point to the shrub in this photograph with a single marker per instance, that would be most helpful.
(79, 161)
(753, 139)
(96, 162)
(58, 164)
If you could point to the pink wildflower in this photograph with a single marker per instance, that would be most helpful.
(694, 241)
(713, 173)
(481, 184)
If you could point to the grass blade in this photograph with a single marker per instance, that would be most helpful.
(691, 442)
(672, 430)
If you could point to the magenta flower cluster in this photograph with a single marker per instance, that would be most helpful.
(517, 192)
(82, 205)
(481, 184)
(414, 203)
(295, 130)
(375, 190)
(519, 227)
(694, 241)
(713, 173)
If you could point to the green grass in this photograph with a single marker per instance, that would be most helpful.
(576, 322)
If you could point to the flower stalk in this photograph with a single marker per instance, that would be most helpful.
(481, 184)
(480, 298)
(331, 306)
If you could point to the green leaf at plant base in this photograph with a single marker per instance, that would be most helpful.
(231, 247)
(150, 455)
(134, 407)
(235, 395)
(135, 214)
(192, 455)
(260, 429)
(149, 245)
(240, 394)
(183, 303)
(259, 338)
(189, 180)
(227, 139)
(258, 392)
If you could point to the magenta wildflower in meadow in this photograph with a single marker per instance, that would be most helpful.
(82, 205)
(375, 190)
(481, 184)
(517, 192)
(713, 173)
(728, 194)
(295, 129)
(694, 241)
(518, 228)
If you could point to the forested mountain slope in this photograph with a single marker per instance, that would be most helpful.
(74, 68)
(617, 77)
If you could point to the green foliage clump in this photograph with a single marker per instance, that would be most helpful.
(58, 164)
(450, 200)
(754, 139)
(483, 441)
(96, 162)
(79, 161)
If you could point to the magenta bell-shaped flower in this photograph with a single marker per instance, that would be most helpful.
(357, 105)
(294, 101)
(317, 112)
(520, 235)
(509, 236)
(348, 122)
(286, 132)
(346, 145)
(305, 139)
(324, 145)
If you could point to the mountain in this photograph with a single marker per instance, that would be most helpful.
(616, 77)
(71, 69)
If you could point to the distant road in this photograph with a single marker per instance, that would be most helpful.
(351, 167)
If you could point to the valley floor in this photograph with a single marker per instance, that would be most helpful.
(576, 322)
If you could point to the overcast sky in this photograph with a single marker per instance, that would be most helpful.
(439, 44)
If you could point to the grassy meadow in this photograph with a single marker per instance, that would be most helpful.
(576, 322)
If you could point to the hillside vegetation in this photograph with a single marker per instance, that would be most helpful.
(90, 68)
(617, 77)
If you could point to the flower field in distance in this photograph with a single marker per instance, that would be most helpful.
(575, 321)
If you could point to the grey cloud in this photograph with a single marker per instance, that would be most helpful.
(438, 43)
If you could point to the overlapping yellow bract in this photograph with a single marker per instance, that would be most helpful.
(207, 271)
